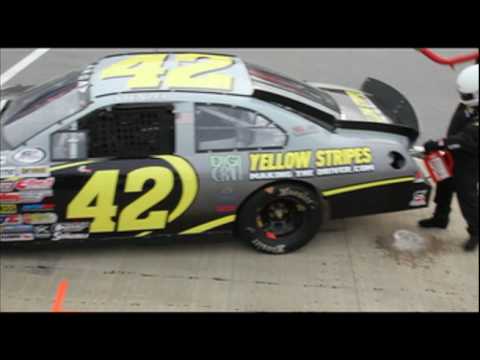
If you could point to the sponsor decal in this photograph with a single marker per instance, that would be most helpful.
(10, 198)
(308, 163)
(29, 156)
(25, 197)
(70, 227)
(16, 228)
(298, 194)
(298, 130)
(64, 236)
(227, 195)
(35, 184)
(42, 232)
(38, 207)
(40, 218)
(84, 169)
(34, 171)
(3, 157)
(419, 198)
(367, 107)
(15, 219)
(7, 209)
(278, 249)
(7, 186)
(28, 197)
(302, 130)
(140, 97)
(226, 168)
(99, 192)
(184, 118)
(16, 237)
(225, 208)
(7, 172)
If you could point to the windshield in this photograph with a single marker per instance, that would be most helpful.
(282, 82)
(39, 108)
(38, 97)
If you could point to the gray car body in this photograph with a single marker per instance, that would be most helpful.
(210, 196)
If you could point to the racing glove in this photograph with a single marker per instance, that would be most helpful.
(431, 146)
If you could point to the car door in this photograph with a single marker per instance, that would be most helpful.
(119, 175)
(225, 137)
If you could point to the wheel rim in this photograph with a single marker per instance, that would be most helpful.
(281, 218)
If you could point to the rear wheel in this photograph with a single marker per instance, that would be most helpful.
(280, 218)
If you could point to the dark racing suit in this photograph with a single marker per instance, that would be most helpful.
(462, 140)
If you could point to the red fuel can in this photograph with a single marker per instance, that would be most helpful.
(440, 165)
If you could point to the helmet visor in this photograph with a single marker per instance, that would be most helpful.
(466, 96)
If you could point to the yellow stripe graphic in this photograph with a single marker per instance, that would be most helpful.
(143, 234)
(367, 185)
(199, 228)
(209, 225)
(70, 165)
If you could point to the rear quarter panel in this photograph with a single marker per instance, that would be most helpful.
(225, 195)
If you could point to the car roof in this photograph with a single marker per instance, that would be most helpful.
(186, 72)
(173, 71)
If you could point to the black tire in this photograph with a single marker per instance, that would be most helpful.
(280, 218)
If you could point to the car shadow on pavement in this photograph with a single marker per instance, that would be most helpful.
(83, 247)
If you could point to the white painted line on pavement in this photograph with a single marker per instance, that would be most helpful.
(22, 64)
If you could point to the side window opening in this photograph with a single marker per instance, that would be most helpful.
(125, 132)
(319, 117)
(120, 132)
(224, 128)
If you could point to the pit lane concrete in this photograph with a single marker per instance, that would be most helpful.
(347, 267)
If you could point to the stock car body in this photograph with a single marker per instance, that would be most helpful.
(149, 144)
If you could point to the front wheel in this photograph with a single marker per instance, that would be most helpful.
(280, 218)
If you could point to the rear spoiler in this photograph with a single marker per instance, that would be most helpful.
(393, 104)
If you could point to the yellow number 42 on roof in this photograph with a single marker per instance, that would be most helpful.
(145, 72)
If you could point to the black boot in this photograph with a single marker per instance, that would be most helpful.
(434, 222)
(471, 244)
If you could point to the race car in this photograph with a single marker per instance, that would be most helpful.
(149, 144)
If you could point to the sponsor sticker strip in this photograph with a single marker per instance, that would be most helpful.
(42, 232)
(15, 219)
(69, 236)
(40, 218)
(33, 171)
(55, 232)
(3, 157)
(7, 186)
(7, 172)
(25, 197)
(16, 228)
(37, 207)
(70, 227)
(24, 172)
(35, 184)
(16, 237)
(7, 209)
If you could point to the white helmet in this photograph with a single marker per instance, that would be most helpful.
(467, 84)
